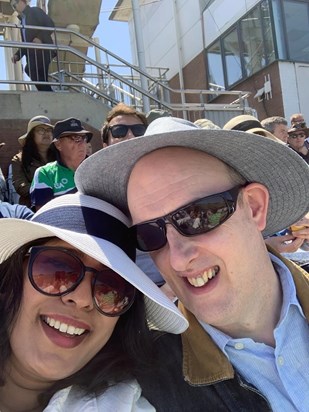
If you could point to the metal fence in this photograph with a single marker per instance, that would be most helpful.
(84, 66)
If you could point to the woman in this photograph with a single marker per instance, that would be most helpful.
(35, 152)
(73, 328)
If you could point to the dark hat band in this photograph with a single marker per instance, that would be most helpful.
(247, 125)
(93, 222)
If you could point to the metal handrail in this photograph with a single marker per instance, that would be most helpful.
(106, 73)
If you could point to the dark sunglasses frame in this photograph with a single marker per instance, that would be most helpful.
(228, 200)
(296, 135)
(120, 131)
(35, 251)
(76, 138)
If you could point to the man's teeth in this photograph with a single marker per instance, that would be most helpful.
(204, 278)
(63, 327)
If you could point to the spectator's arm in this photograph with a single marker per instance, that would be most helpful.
(19, 178)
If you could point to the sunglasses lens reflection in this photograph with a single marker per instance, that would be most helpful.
(56, 272)
(199, 217)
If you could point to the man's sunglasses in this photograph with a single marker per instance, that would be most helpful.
(56, 271)
(76, 138)
(120, 130)
(196, 218)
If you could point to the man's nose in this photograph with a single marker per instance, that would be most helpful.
(182, 249)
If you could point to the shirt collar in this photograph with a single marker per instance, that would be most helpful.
(289, 298)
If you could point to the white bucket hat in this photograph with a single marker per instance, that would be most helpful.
(258, 159)
(101, 231)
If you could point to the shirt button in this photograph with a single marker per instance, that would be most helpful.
(280, 360)
(239, 346)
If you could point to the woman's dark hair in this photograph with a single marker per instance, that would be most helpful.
(123, 356)
(30, 152)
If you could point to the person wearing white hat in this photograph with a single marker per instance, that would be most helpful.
(75, 310)
(35, 152)
(201, 202)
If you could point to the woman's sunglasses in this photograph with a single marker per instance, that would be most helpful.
(196, 218)
(296, 135)
(56, 271)
(120, 130)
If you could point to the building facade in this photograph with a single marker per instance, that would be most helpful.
(259, 46)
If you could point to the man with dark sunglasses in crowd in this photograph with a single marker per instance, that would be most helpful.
(201, 201)
(122, 123)
(297, 140)
(57, 178)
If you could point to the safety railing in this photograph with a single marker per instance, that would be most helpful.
(109, 78)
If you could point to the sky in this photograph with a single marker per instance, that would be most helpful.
(113, 35)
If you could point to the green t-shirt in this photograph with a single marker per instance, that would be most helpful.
(49, 181)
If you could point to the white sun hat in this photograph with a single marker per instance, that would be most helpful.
(101, 231)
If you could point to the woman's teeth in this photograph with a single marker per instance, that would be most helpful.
(63, 327)
(201, 280)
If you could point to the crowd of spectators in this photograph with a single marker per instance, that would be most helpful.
(44, 169)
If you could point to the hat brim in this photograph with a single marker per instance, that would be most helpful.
(295, 130)
(286, 175)
(263, 132)
(161, 313)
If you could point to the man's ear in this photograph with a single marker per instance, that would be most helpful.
(57, 144)
(256, 196)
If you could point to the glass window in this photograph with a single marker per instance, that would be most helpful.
(278, 22)
(232, 57)
(253, 45)
(269, 50)
(215, 69)
(297, 26)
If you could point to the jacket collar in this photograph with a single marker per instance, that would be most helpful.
(203, 361)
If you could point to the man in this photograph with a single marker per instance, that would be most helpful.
(122, 123)
(38, 60)
(278, 126)
(297, 140)
(57, 178)
(247, 344)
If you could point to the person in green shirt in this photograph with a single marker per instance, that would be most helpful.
(57, 178)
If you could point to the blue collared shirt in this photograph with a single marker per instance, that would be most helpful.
(281, 373)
